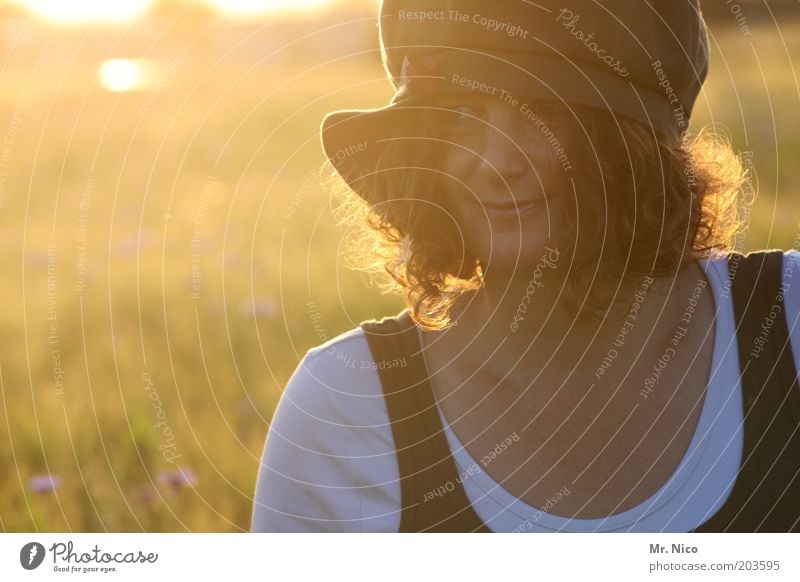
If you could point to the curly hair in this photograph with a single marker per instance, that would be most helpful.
(671, 199)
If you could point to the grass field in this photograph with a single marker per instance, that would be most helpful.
(161, 248)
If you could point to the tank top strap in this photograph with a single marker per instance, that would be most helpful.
(433, 499)
(765, 495)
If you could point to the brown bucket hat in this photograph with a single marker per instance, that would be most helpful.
(645, 60)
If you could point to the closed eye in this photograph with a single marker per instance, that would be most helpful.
(547, 108)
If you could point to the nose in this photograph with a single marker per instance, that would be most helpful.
(503, 157)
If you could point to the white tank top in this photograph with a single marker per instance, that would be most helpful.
(329, 462)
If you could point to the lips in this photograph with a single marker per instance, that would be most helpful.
(511, 209)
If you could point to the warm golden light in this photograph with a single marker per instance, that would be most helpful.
(126, 11)
(249, 8)
(119, 75)
(84, 11)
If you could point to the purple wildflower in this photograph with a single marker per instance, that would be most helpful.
(259, 307)
(44, 483)
(178, 478)
(146, 494)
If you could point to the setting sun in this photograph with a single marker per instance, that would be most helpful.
(120, 75)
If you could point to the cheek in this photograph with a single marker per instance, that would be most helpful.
(456, 184)
(457, 168)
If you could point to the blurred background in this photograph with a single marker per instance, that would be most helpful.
(169, 254)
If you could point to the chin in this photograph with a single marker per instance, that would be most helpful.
(510, 250)
(509, 257)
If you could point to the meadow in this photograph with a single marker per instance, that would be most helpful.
(164, 251)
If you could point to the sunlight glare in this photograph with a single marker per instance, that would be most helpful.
(119, 75)
(82, 11)
(249, 8)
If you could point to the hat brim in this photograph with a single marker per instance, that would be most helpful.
(355, 140)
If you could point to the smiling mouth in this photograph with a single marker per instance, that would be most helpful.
(512, 208)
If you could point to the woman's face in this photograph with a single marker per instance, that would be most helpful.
(497, 154)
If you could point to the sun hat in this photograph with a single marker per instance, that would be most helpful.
(644, 60)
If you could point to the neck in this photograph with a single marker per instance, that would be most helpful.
(524, 305)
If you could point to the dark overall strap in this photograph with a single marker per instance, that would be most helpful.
(766, 494)
(432, 497)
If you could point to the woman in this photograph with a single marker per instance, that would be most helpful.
(580, 351)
